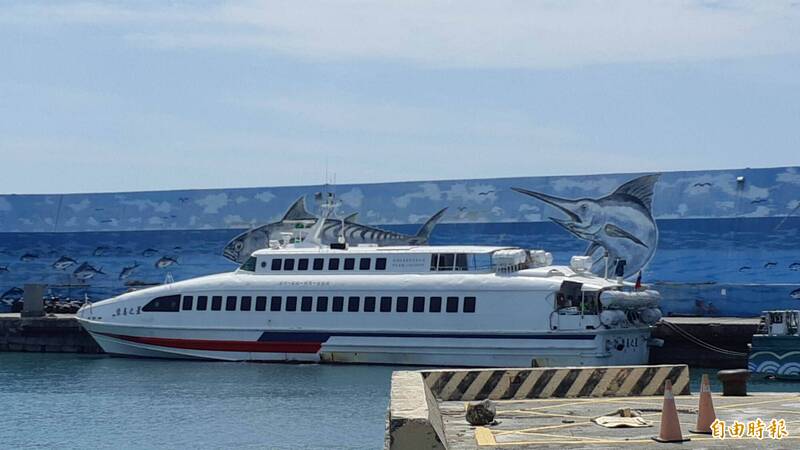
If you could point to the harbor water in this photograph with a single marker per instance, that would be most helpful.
(79, 401)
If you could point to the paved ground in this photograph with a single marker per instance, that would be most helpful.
(566, 423)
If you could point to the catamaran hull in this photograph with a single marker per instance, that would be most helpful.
(600, 348)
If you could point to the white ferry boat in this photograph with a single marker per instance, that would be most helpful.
(412, 305)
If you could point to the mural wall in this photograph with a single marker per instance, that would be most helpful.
(721, 242)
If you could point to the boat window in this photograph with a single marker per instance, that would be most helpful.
(305, 304)
(167, 303)
(261, 303)
(291, 303)
(386, 304)
(288, 264)
(461, 261)
(364, 263)
(187, 303)
(246, 303)
(469, 304)
(302, 264)
(338, 304)
(249, 265)
(216, 303)
(202, 303)
(318, 263)
(481, 261)
(402, 304)
(380, 264)
(230, 304)
(322, 304)
(353, 304)
(369, 304)
(419, 304)
(436, 304)
(446, 261)
(275, 303)
(434, 262)
(333, 264)
(452, 304)
(263, 264)
(349, 263)
(276, 264)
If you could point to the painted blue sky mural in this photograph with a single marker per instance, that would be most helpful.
(678, 195)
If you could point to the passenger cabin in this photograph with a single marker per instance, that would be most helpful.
(365, 259)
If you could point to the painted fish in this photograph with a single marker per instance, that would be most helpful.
(744, 268)
(64, 262)
(165, 261)
(128, 271)
(149, 252)
(101, 250)
(795, 294)
(621, 223)
(86, 271)
(27, 257)
(242, 246)
(770, 265)
(4, 269)
(794, 266)
(14, 293)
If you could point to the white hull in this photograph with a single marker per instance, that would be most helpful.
(539, 349)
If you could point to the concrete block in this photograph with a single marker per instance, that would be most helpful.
(414, 418)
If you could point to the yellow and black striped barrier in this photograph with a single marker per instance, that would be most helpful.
(561, 382)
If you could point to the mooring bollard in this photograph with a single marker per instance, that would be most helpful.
(734, 382)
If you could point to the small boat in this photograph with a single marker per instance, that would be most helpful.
(775, 350)
(457, 305)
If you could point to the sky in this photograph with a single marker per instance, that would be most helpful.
(119, 96)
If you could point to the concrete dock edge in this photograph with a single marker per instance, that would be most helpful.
(414, 418)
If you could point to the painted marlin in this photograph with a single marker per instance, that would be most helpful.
(28, 257)
(128, 271)
(14, 293)
(165, 261)
(86, 271)
(242, 246)
(64, 262)
(621, 223)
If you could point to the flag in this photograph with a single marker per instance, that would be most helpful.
(639, 280)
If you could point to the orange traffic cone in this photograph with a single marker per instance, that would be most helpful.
(705, 414)
(670, 425)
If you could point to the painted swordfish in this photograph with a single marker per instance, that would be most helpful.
(621, 223)
(242, 246)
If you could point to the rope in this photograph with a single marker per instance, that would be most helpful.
(694, 339)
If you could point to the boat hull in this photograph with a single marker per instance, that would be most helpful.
(585, 347)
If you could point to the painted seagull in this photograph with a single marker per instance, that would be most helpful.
(621, 223)
(297, 217)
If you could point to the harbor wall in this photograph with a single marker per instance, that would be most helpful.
(716, 243)
(50, 334)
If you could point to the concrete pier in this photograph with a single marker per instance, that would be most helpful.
(556, 410)
(54, 333)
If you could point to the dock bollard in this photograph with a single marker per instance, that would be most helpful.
(734, 382)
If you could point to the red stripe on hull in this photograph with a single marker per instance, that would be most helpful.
(225, 346)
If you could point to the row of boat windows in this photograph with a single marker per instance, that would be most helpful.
(290, 264)
(175, 303)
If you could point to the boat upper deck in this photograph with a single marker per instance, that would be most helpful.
(373, 248)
